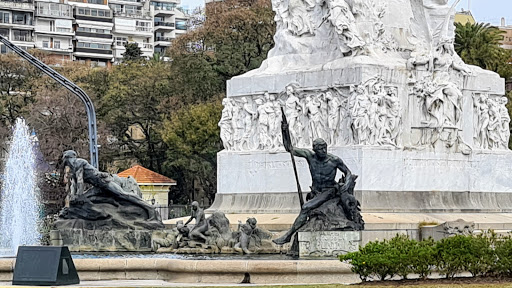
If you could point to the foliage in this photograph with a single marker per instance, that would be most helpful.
(482, 255)
(131, 108)
(16, 87)
(193, 140)
(132, 52)
(454, 255)
(503, 251)
(234, 39)
(59, 117)
(422, 258)
(479, 44)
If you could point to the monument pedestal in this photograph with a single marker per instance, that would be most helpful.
(327, 243)
(398, 180)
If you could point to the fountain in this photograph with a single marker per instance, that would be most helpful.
(19, 208)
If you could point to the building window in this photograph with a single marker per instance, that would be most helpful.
(92, 30)
(116, 8)
(4, 17)
(52, 26)
(93, 12)
(93, 45)
(4, 32)
(143, 26)
(121, 41)
(46, 44)
(3, 49)
(22, 18)
(95, 1)
(181, 24)
(56, 44)
(67, 30)
(22, 35)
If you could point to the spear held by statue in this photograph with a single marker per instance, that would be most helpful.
(287, 142)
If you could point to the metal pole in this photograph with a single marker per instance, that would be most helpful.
(91, 114)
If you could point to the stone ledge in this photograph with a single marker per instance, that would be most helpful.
(206, 271)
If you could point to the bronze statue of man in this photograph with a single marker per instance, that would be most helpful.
(323, 167)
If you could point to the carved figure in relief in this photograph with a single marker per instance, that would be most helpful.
(264, 123)
(333, 119)
(316, 124)
(226, 124)
(299, 21)
(341, 17)
(445, 58)
(505, 122)
(293, 110)
(393, 115)
(277, 137)
(238, 126)
(491, 122)
(482, 111)
(360, 115)
(494, 126)
(250, 114)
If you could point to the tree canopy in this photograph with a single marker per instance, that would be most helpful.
(479, 44)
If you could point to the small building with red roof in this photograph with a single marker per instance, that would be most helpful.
(152, 185)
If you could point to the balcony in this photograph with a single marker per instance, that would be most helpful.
(54, 13)
(146, 46)
(54, 49)
(93, 35)
(90, 18)
(25, 5)
(94, 51)
(23, 38)
(165, 39)
(164, 25)
(137, 15)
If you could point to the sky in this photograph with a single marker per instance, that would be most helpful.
(489, 11)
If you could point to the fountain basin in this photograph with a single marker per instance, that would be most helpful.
(206, 271)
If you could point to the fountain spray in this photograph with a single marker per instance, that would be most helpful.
(19, 203)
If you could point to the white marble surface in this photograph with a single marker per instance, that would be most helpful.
(379, 169)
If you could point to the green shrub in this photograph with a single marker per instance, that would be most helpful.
(503, 252)
(423, 258)
(482, 255)
(382, 259)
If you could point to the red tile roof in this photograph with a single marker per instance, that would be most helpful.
(145, 176)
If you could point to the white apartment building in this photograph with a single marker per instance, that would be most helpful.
(170, 22)
(93, 26)
(133, 22)
(54, 29)
(17, 23)
(93, 31)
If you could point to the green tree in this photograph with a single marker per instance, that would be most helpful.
(17, 79)
(132, 52)
(59, 117)
(131, 108)
(479, 44)
(193, 140)
(234, 39)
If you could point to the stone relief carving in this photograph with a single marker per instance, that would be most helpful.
(491, 122)
(343, 27)
(366, 114)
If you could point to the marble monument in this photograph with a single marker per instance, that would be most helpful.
(380, 81)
